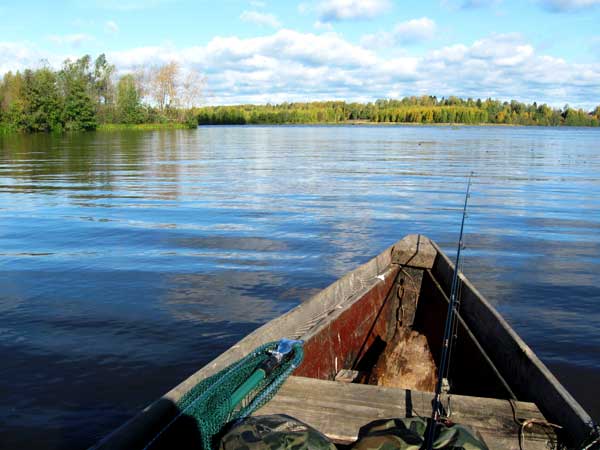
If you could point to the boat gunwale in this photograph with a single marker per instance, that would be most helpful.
(580, 422)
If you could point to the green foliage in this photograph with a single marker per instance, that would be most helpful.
(6, 129)
(76, 84)
(424, 110)
(46, 100)
(79, 97)
(103, 89)
(11, 101)
(41, 102)
(191, 120)
(102, 83)
(79, 113)
(129, 106)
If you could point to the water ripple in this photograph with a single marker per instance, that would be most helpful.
(128, 255)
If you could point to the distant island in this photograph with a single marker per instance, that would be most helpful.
(84, 95)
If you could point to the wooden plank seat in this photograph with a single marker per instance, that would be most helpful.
(339, 409)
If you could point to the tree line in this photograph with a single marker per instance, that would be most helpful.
(424, 109)
(83, 94)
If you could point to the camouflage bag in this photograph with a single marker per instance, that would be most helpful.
(273, 432)
(408, 434)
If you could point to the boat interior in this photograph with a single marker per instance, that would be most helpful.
(403, 343)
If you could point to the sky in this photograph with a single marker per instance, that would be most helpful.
(267, 51)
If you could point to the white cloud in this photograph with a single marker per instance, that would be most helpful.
(569, 5)
(306, 48)
(263, 19)
(16, 56)
(74, 40)
(338, 10)
(291, 66)
(415, 30)
(111, 27)
(323, 26)
(25, 55)
(505, 66)
(409, 32)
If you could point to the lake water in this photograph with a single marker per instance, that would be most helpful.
(128, 260)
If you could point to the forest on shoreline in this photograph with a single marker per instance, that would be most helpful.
(86, 95)
(415, 110)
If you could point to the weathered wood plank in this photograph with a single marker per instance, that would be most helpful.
(340, 409)
(415, 250)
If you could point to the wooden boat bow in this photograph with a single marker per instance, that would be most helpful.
(392, 309)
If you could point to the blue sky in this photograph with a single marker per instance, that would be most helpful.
(271, 51)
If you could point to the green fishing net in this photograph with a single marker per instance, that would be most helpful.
(208, 404)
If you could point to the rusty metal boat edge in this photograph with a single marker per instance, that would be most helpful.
(338, 323)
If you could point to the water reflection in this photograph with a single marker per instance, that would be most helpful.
(228, 296)
(148, 253)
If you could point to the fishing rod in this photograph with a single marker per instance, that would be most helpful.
(448, 330)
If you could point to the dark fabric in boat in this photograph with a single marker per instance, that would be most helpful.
(282, 432)
(408, 434)
(274, 432)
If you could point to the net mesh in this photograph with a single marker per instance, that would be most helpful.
(208, 403)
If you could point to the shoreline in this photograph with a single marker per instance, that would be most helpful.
(103, 128)
(114, 127)
(142, 126)
(389, 124)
